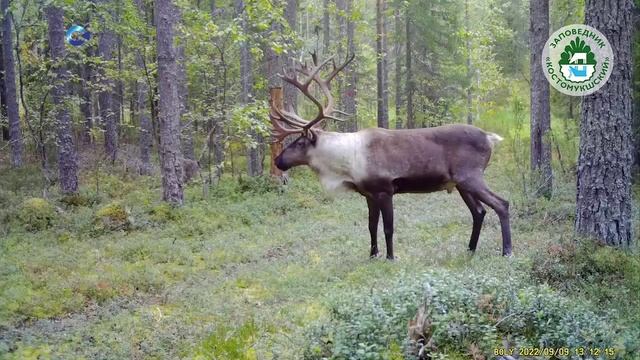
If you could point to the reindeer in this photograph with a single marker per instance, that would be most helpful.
(378, 163)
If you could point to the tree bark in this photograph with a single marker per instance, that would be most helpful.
(397, 51)
(350, 104)
(186, 138)
(290, 92)
(603, 199)
(409, 71)
(67, 157)
(381, 56)
(254, 156)
(326, 29)
(15, 130)
(86, 74)
(109, 110)
(169, 103)
(467, 29)
(3, 99)
(540, 110)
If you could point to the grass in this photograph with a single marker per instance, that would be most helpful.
(244, 272)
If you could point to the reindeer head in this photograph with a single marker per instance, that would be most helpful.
(288, 122)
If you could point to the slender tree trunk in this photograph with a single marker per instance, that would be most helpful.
(86, 100)
(145, 139)
(383, 98)
(109, 110)
(3, 98)
(603, 206)
(67, 157)
(467, 29)
(15, 130)
(169, 103)
(397, 51)
(350, 105)
(217, 141)
(290, 92)
(409, 71)
(186, 138)
(540, 110)
(254, 163)
(326, 28)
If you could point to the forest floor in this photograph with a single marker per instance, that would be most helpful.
(241, 273)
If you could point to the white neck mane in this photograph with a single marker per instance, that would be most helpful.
(339, 157)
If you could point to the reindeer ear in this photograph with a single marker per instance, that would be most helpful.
(312, 136)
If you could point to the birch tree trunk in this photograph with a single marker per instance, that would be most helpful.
(383, 98)
(467, 30)
(350, 105)
(67, 157)
(15, 131)
(109, 110)
(409, 71)
(540, 110)
(397, 52)
(169, 103)
(603, 205)
(186, 134)
(254, 156)
(290, 92)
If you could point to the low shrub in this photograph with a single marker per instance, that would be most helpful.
(466, 316)
(36, 214)
(112, 217)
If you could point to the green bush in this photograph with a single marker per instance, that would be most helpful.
(112, 217)
(36, 214)
(463, 314)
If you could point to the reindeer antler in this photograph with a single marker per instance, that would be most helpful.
(311, 75)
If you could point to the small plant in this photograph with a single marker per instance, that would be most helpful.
(113, 217)
(36, 214)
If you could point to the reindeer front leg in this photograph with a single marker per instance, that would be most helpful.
(374, 216)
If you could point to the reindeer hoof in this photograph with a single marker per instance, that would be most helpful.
(374, 255)
(391, 258)
(507, 253)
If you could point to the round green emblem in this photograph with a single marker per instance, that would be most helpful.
(577, 60)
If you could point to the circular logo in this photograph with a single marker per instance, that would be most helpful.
(577, 60)
(77, 35)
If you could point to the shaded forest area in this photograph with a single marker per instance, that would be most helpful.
(141, 215)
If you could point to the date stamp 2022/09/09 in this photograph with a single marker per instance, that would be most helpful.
(589, 352)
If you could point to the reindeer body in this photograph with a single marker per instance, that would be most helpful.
(400, 161)
(378, 163)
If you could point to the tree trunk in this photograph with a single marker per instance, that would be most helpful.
(290, 92)
(85, 100)
(169, 103)
(109, 109)
(409, 71)
(326, 28)
(540, 111)
(397, 51)
(3, 99)
(217, 141)
(15, 131)
(381, 56)
(67, 157)
(186, 138)
(350, 105)
(467, 30)
(603, 206)
(254, 158)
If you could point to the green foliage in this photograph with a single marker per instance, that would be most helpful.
(113, 217)
(230, 343)
(463, 311)
(36, 214)
(577, 46)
